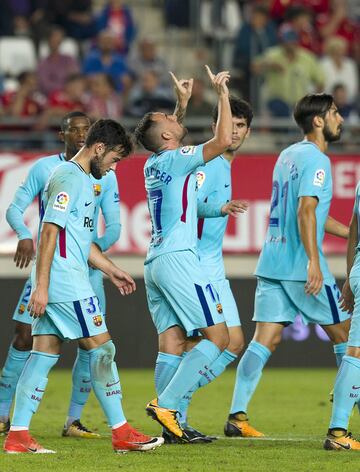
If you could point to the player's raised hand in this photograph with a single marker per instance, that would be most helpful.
(347, 298)
(234, 207)
(123, 281)
(314, 279)
(38, 302)
(219, 81)
(24, 253)
(182, 87)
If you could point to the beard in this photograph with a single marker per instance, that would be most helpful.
(95, 167)
(331, 137)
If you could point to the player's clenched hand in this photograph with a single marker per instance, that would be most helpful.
(123, 281)
(234, 207)
(38, 302)
(219, 81)
(24, 253)
(347, 298)
(314, 279)
(183, 88)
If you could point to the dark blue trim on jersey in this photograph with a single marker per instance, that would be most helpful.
(204, 305)
(62, 156)
(333, 305)
(78, 165)
(81, 319)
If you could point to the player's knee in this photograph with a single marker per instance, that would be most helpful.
(221, 339)
(236, 346)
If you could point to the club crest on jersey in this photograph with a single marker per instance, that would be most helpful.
(116, 197)
(61, 201)
(319, 177)
(97, 189)
(21, 309)
(200, 177)
(97, 320)
(219, 308)
(188, 150)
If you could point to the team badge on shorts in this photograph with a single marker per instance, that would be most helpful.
(219, 308)
(97, 320)
(97, 189)
(21, 309)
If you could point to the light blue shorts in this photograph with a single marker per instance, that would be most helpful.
(279, 301)
(71, 320)
(180, 294)
(97, 282)
(354, 334)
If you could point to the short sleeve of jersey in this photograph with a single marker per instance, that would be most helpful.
(314, 178)
(62, 195)
(111, 199)
(186, 159)
(356, 202)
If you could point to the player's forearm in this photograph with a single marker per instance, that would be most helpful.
(209, 210)
(180, 110)
(336, 228)
(111, 235)
(352, 243)
(223, 131)
(45, 254)
(98, 260)
(15, 218)
(307, 229)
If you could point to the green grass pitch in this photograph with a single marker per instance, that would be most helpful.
(291, 406)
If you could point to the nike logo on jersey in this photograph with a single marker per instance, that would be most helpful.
(86, 381)
(227, 185)
(39, 390)
(355, 388)
(87, 204)
(111, 384)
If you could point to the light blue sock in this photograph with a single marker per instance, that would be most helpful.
(31, 386)
(339, 351)
(12, 369)
(346, 392)
(165, 368)
(193, 366)
(248, 374)
(81, 385)
(106, 383)
(216, 368)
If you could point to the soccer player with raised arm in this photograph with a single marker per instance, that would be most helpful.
(179, 293)
(63, 302)
(347, 383)
(74, 127)
(292, 272)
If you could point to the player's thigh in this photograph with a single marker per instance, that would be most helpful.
(161, 312)
(50, 344)
(187, 289)
(71, 320)
(173, 341)
(272, 303)
(21, 313)
(323, 308)
(23, 339)
(354, 333)
(97, 282)
(228, 303)
(237, 340)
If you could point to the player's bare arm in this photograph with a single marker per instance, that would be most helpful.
(234, 207)
(307, 229)
(223, 130)
(183, 90)
(336, 228)
(45, 256)
(347, 297)
(121, 279)
(24, 253)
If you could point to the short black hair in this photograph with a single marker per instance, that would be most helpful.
(73, 114)
(111, 133)
(315, 104)
(143, 133)
(239, 108)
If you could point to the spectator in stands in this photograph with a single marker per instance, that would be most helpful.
(339, 69)
(290, 72)
(106, 59)
(146, 57)
(75, 17)
(54, 69)
(117, 17)
(198, 105)
(278, 8)
(177, 13)
(103, 101)
(254, 37)
(301, 20)
(149, 95)
(346, 108)
(220, 19)
(26, 100)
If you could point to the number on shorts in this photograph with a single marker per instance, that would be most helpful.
(91, 308)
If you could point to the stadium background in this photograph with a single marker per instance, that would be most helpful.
(186, 34)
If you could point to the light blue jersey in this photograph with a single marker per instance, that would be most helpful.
(170, 182)
(69, 202)
(214, 182)
(301, 170)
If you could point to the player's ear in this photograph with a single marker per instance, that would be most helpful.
(318, 121)
(61, 135)
(166, 135)
(99, 148)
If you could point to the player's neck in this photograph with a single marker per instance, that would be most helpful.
(229, 156)
(83, 158)
(318, 140)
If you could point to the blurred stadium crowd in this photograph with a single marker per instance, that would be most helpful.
(111, 58)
